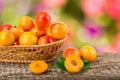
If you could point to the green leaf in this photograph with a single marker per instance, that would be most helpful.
(84, 60)
(57, 65)
(86, 64)
(60, 63)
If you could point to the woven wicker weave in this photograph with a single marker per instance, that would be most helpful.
(26, 54)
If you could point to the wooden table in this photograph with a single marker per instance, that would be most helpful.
(105, 67)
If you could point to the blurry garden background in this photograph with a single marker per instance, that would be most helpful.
(93, 22)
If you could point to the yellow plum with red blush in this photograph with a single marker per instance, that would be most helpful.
(57, 30)
(71, 50)
(45, 40)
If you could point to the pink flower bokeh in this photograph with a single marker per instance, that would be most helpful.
(1, 5)
(112, 8)
(92, 8)
(116, 43)
(53, 3)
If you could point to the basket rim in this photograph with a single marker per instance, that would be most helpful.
(62, 40)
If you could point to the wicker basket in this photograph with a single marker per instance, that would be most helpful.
(26, 54)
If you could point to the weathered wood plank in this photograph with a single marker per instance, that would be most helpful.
(105, 67)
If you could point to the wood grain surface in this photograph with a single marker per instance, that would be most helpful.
(105, 67)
